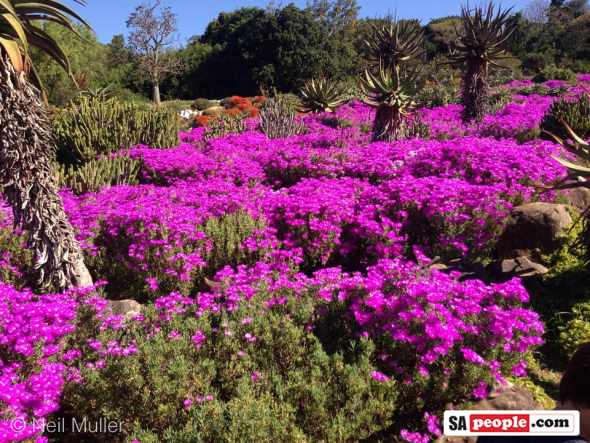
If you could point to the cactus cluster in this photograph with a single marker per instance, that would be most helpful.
(224, 126)
(100, 127)
(277, 120)
(104, 171)
(575, 112)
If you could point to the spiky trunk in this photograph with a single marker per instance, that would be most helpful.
(476, 91)
(29, 182)
(389, 125)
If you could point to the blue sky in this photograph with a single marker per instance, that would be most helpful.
(108, 17)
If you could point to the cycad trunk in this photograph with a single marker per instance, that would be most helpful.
(29, 182)
(476, 92)
(389, 125)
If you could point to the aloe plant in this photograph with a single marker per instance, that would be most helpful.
(27, 172)
(321, 95)
(482, 41)
(393, 43)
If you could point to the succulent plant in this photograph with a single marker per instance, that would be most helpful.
(393, 43)
(100, 94)
(106, 171)
(482, 41)
(97, 127)
(277, 120)
(394, 99)
(321, 95)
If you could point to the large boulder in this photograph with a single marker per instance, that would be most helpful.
(578, 198)
(533, 226)
(510, 398)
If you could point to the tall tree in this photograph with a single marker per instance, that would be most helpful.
(537, 11)
(153, 33)
(27, 173)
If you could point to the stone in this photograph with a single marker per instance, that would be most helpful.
(579, 199)
(124, 307)
(517, 267)
(467, 270)
(533, 226)
(213, 111)
(510, 398)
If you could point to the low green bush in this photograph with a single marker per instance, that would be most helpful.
(250, 377)
(201, 104)
(576, 330)
(554, 73)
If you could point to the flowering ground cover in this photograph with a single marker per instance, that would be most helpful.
(285, 285)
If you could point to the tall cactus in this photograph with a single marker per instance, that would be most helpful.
(104, 172)
(101, 127)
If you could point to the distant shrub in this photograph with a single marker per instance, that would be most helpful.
(201, 104)
(554, 73)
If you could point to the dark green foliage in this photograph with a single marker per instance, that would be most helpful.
(575, 113)
(251, 48)
(554, 73)
(201, 104)
(278, 120)
(104, 172)
(96, 127)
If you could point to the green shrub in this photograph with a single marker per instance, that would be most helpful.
(105, 171)
(102, 127)
(201, 104)
(577, 329)
(300, 391)
(575, 113)
(554, 73)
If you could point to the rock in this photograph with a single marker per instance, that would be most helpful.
(518, 267)
(213, 110)
(510, 398)
(124, 307)
(533, 226)
(579, 198)
(467, 270)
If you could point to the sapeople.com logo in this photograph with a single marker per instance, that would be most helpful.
(465, 423)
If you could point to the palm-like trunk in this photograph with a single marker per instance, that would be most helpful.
(476, 91)
(30, 185)
(389, 125)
